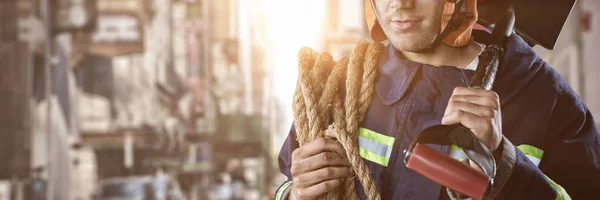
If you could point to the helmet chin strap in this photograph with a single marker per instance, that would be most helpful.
(459, 15)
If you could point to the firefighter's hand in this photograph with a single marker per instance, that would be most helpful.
(479, 111)
(317, 168)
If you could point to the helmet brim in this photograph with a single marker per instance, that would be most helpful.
(537, 21)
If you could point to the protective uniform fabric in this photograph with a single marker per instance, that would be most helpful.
(456, 37)
(542, 117)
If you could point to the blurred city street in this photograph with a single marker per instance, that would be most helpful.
(180, 99)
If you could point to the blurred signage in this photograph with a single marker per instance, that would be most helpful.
(73, 14)
(119, 5)
(119, 27)
(140, 8)
(67, 15)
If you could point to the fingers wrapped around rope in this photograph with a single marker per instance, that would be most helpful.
(358, 165)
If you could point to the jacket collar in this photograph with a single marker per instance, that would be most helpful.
(518, 66)
(395, 76)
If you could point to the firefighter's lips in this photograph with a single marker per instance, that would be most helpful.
(405, 24)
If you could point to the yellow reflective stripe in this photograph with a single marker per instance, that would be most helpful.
(535, 155)
(373, 157)
(377, 137)
(531, 151)
(561, 193)
(455, 148)
(282, 189)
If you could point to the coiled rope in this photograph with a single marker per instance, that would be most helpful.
(318, 94)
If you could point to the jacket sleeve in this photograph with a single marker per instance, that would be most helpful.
(569, 168)
(285, 164)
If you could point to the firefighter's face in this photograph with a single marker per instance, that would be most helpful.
(410, 25)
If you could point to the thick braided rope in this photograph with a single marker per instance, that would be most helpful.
(369, 77)
(299, 106)
(331, 102)
(314, 98)
(332, 90)
(305, 85)
(320, 71)
(350, 140)
(322, 65)
(367, 89)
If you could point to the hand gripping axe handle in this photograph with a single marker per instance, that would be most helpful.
(447, 171)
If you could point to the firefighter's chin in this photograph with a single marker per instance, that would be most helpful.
(412, 44)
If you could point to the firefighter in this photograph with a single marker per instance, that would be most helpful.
(533, 120)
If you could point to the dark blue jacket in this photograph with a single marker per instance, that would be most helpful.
(543, 119)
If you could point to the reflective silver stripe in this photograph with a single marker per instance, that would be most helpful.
(375, 147)
(458, 154)
(281, 190)
(534, 160)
